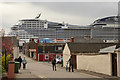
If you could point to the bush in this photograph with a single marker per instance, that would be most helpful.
(3, 62)
(2, 69)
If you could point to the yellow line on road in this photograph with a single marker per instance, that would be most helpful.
(40, 76)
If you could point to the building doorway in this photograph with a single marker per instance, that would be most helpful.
(114, 64)
(74, 61)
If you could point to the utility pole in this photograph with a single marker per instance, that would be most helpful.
(44, 44)
(43, 51)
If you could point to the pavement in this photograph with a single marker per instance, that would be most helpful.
(42, 70)
(25, 74)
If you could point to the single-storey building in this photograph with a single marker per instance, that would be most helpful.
(48, 51)
(114, 52)
(45, 51)
(87, 56)
(29, 49)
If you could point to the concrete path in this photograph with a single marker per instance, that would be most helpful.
(37, 69)
(25, 74)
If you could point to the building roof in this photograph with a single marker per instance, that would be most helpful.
(32, 45)
(50, 47)
(87, 47)
(50, 44)
(87, 40)
(109, 49)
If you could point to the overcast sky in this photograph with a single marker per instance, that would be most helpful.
(80, 13)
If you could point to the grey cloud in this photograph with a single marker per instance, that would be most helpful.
(90, 9)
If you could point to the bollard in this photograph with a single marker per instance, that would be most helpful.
(11, 67)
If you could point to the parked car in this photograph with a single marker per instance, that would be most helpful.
(59, 60)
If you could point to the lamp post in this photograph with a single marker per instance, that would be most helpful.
(43, 51)
(5, 59)
(49, 56)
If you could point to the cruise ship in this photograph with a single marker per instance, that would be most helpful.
(36, 28)
(105, 28)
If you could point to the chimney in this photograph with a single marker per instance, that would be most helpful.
(72, 39)
(118, 40)
(38, 41)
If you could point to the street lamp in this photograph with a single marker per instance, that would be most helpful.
(43, 51)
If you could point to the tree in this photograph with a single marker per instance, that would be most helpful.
(7, 48)
(7, 44)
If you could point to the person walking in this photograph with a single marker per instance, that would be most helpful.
(71, 64)
(24, 61)
(20, 61)
(54, 64)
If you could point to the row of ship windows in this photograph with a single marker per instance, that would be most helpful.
(53, 36)
(32, 26)
(65, 37)
(49, 32)
(105, 33)
(102, 36)
(106, 37)
(67, 33)
(75, 32)
(45, 33)
(34, 22)
(24, 35)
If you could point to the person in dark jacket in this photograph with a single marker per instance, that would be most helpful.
(71, 63)
(16, 59)
(20, 61)
(54, 64)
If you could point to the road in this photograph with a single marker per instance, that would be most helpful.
(44, 70)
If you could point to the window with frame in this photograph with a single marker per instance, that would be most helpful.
(58, 48)
(58, 56)
(46, 56)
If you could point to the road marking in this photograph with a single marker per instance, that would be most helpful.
(90, 75)
(40, 76)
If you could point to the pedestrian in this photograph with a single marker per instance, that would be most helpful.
(24, 61)
(71, 64)
(67, 65)
(20, 61)
(16, 59)
(54, 64)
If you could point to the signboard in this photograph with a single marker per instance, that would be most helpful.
(32, 50)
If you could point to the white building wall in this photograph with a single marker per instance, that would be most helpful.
(66, 55)
(118, 63)
(95, 63)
